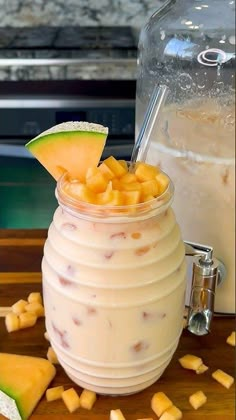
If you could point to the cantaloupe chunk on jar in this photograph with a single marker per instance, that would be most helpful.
(96, 181)
(146, 172)
(115, 166)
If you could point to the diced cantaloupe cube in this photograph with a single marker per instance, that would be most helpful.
(160, 402)
(55, 393)
(51, 356)
(132, 186)
(172, 413)
(116, 167)
(223, 378)
(127, 178)
(106, 171)
(197, 399)
(202, 368)
(231, 339)
(97, 182)
(46, 336)
(35, 297)
(12, 322)
(147, 197)
(145, 172)
(71, 399)
(87, 399)
(35, 307)
(116, 184)
(189, 361)
(116, 415)
(146, 418)
(19, 307)
(150, 187)
(163, 182)
(131, 197)
(123, 163)
(80, 192)
(27, 319)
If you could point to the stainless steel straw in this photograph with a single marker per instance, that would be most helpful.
(156, 102)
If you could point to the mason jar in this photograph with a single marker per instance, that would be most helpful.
(114, 281)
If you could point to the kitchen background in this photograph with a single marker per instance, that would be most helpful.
(62, 60)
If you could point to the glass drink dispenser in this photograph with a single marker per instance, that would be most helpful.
(189, 45)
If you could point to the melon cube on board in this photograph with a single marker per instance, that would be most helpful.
(197, 399)
(19, 307)
(172, 413)
(71, 399)
(189, 361)
(223, 378)
(87, 399)
(12, 322)
(55, 393)
(23, 381)
(116, 415)
(202, 368)
(231, 339)
(160, 402)
(27, 319)
(35, 297)
(35, 307)
(46, 336)
(51, 356)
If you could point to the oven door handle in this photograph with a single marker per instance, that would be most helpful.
(13, 150)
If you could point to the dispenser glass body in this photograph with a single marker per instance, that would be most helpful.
(187, 46)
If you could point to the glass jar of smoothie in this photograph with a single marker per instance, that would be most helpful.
(187, 46)
(114, 283)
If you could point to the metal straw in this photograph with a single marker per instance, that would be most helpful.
(157, 100)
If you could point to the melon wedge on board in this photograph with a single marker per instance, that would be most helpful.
(23, 381)
(71, 147)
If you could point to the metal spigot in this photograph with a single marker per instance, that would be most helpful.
(208, 273)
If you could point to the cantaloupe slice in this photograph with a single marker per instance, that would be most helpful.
(23, 381)
(71, 147)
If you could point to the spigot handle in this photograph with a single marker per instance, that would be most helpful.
(208, 273)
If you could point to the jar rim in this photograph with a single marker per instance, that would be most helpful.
(79, 207)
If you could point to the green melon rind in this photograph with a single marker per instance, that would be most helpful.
(47, 138)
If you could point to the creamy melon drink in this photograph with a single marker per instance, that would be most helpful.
(114, 272)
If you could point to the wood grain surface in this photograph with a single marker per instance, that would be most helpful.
(176, 382)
